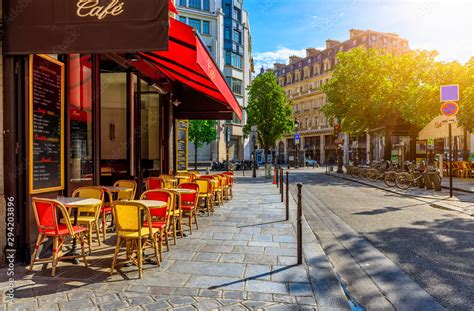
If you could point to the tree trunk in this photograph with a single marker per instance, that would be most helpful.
(195, 157)
(265, 159)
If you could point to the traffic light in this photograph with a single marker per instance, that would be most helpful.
(337, 130)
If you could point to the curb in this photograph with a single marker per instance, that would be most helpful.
(413, 196)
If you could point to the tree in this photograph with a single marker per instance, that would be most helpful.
(370, 87)
(466, 111)
(201, 132)
(269, 110)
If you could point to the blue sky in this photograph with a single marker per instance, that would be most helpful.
(281, 28)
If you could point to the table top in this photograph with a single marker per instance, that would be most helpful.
(117, 189)
(182, 177)
(78, 202)
(183, 191)
(150, 203)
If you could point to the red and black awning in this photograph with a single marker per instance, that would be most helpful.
(198, 82)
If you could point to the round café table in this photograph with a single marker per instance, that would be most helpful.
(75, 204)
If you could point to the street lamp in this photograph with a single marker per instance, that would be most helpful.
(297, 144)
(254, 151)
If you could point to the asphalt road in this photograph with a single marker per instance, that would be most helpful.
(434, 247)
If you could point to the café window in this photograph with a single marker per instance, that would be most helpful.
(79, 76)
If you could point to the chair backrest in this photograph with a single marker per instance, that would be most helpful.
(46, 215)
(205, 186)
(190, 198)
(126, 195)
(207, 177)
(165, 176)
(129, 216)
(186, 179)
(153, 183)
(159, 195)
(90, 193)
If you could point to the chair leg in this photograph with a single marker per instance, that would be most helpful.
(160, 245)
(140, 258)
(89, 236)
(196, 219)
(180, 222)
(167, 241)
(83, 251)
(55, 255)
(104, 224)
(157, 248)
(35, 253)
(114, 259)
(191, 222)
(97, 228)
(174, 228)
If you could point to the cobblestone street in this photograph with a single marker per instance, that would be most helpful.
(242, 257)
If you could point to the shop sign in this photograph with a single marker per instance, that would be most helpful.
(46, 125)
(182, 129)
(85, 26)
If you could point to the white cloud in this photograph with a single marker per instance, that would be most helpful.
(267, 59)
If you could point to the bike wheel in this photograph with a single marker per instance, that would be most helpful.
(355, 172)
(389, 179)
(372, 175)
(403, 181)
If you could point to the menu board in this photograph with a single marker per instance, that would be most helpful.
(46, 142)
(182, 127)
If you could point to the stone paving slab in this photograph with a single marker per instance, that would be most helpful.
(242, 257)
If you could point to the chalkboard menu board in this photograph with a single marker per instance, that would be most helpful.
(182, 127)
(46, 161)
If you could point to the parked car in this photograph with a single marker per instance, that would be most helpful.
(312, 163)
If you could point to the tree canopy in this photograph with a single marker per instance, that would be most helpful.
(269, 110)
(370, 87)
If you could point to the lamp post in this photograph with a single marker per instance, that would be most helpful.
(254, 151)
(297, 144)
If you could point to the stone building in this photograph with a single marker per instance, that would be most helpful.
(302, 79)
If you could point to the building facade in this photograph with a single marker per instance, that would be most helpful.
(224, 27)
(302, 80)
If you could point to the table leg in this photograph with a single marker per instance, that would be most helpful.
(73, 251)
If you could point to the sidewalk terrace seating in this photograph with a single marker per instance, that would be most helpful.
(138, 224)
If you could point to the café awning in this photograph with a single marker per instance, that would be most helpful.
(438, 128)
(199, 84)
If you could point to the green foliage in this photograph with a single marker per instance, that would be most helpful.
(370, 88)
(466, 112)
(269, 110)
(202, 132)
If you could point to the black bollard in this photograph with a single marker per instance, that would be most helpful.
(287, 195)
(299, 222)
(277, 170)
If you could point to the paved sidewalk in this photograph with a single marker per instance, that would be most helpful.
(242, 257)
(461, 202)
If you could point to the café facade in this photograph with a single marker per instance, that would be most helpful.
(96, 91)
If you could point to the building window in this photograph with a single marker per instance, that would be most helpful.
(182, 19)
(235, 85)
(206, 5)
(195, 23)
(182, 2)
(233, 59)
(227, 33)
(206, 27)
(209, 48)
(227, 10)
(237, 37)
(237, 14)
(195, 4)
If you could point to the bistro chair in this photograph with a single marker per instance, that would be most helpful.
(468, 170)
(106, 210)
(168, 181)
(205, 194)
(89, 215)
(46, 215)
(160, 217)
(189, 204)
(154, 183)
(230, 176)
(126, 194)
(217, 189)
(130, 218)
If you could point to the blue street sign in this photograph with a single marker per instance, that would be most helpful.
(297, 136)
(449, 93)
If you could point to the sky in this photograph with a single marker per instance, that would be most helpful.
(281, 28)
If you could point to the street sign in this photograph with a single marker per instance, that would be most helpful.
(449, 109)
(228, 134)
(449, 92)
(297, 139)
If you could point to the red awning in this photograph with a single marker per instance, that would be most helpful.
(188, 62)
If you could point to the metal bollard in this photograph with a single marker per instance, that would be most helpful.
(281, 183)
(276, 173)
(287, 195)
(299, 222)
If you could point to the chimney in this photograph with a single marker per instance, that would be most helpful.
(294, 59)
(311, 52)
(330, 43)
(355, 32)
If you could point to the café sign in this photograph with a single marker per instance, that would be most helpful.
(85, 26)
(92, 8)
